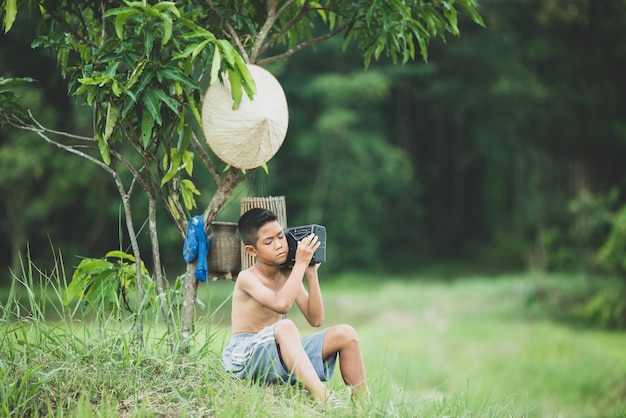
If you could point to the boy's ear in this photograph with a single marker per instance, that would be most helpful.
(250, 250)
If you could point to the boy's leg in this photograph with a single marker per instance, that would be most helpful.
(343, 339)
(293, 355)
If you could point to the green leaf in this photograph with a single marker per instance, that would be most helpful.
(116, 88)
(91, 95)
(148, 41)
(83, 277)
(235, 87)
(121, 10)
(186, 53)
(103, 289)
(320, 10)
(111, 69)
(128, 104)
(199, 48)
(10, 10)
(227, 51)
(103, 147)
(147, 124)
(63, 56)
(187, 191)
(93, 266)
(450, 15)
(215, 65)
(175, 74)
(144, 81)
(194, 108)
(247, 82)
(196, 31)
(470, 6)
(188, 162)
(121, 254)
(170, 203)
(188, 200)
(174, 166)
(120, 19)
(167, 28)
(15, 81)
(170, 6)
(423, 48)
(181, 121)
(110, 122)
(184, 139)
(134, 77)
(151, 100)
(188, 184)
(76, 287)
(137, 4)
(90, 81)
(169, 102)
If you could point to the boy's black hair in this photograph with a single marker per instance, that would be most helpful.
(250, 223)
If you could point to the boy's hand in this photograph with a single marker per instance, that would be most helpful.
(311, 270)
(306, 248)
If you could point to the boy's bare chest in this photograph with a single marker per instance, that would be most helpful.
(274, 283)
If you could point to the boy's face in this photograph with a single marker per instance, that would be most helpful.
(271, 244)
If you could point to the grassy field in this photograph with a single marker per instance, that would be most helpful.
(467, 348)
(472, 344)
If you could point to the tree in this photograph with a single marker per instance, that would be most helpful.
(141, 68)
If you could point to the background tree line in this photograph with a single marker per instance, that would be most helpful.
(503, 151)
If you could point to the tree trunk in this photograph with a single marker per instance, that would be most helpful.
(190, 288)
(160, 281)
(136, 253)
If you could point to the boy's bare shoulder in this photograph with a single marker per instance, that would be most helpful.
(244, 277)
(248, 280)
(245, 273)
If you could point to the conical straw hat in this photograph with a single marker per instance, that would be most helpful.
(250, 135)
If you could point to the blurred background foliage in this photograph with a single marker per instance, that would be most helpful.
(503, 152)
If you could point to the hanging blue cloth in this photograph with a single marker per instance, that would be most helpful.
(197, 245)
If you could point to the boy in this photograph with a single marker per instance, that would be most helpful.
(265, 346)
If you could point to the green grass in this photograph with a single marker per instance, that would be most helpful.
(467, 348)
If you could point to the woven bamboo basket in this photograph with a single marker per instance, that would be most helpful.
(224, 253)
(276, 204)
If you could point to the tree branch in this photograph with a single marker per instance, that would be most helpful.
(160, 280)
(261, 50)
(42, 131)
(261, 35)
(177, 213)
(205, 157)
(225, 188)
(231, 33)
(136, 173)
(71, 30)
(130, 228)
(303, 45)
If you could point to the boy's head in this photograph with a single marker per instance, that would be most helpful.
(250, 223)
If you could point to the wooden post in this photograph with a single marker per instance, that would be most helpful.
(276, 204)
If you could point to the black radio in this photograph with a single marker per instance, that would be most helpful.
(296, 234)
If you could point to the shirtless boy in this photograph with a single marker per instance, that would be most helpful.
(266, 347)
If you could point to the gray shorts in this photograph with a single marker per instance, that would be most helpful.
(255, 356)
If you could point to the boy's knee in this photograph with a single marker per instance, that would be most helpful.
(347, 333)
(285, 327)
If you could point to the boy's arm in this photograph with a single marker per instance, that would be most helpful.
(311, 303)
(281, 301)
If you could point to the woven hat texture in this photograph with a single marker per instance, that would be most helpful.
(249, 136)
